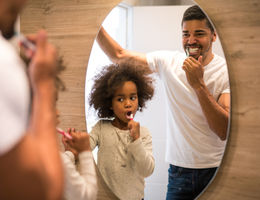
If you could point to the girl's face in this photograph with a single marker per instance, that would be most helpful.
(124, 103)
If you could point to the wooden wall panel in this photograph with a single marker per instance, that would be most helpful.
(73, 25)
(238, 25)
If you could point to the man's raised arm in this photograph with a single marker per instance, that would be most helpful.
(116, 53)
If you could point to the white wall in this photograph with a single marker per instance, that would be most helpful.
(158, 28)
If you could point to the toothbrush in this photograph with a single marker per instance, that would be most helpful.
(27, 44)
(130, 116)
(64, 133)
(187, 52)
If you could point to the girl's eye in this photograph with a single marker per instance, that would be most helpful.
(133, 98)
(120, 99)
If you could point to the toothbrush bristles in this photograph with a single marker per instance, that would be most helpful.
(26, 43)
(187, 52)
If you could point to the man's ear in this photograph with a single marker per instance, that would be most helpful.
(214, 36)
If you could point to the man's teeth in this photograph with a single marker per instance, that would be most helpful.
(193, 50)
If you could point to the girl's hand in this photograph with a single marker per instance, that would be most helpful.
(67, 147)
(134, 128)
(80, 141)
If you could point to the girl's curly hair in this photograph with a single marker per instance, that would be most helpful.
(112, 77)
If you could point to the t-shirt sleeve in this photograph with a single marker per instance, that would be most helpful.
(14, 98)
(80, 184)
(141, 150)
(160, 61)
(226, 85)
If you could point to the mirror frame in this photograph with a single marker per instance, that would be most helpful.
(238, 25)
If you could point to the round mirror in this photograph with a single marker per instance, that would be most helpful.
(144, 28)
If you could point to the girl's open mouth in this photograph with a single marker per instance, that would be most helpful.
(129, 115)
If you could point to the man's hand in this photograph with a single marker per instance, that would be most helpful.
(194, 72)
(43, 65)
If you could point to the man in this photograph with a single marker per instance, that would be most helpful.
(30, 166)
(198, 96)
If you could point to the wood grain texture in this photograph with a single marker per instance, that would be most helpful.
(238, 26)
(72, 27)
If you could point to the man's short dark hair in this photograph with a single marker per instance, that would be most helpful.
(195, 13)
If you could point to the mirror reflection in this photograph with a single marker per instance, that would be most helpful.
(188, 115)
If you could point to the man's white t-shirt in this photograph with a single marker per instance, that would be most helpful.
(190, 142)
(14, 98)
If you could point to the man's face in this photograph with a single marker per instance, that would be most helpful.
(197, 38)
(9, 10)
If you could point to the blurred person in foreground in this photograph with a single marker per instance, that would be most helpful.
(30, 164)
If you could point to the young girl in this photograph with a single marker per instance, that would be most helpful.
(80, 180)
(124, 147)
